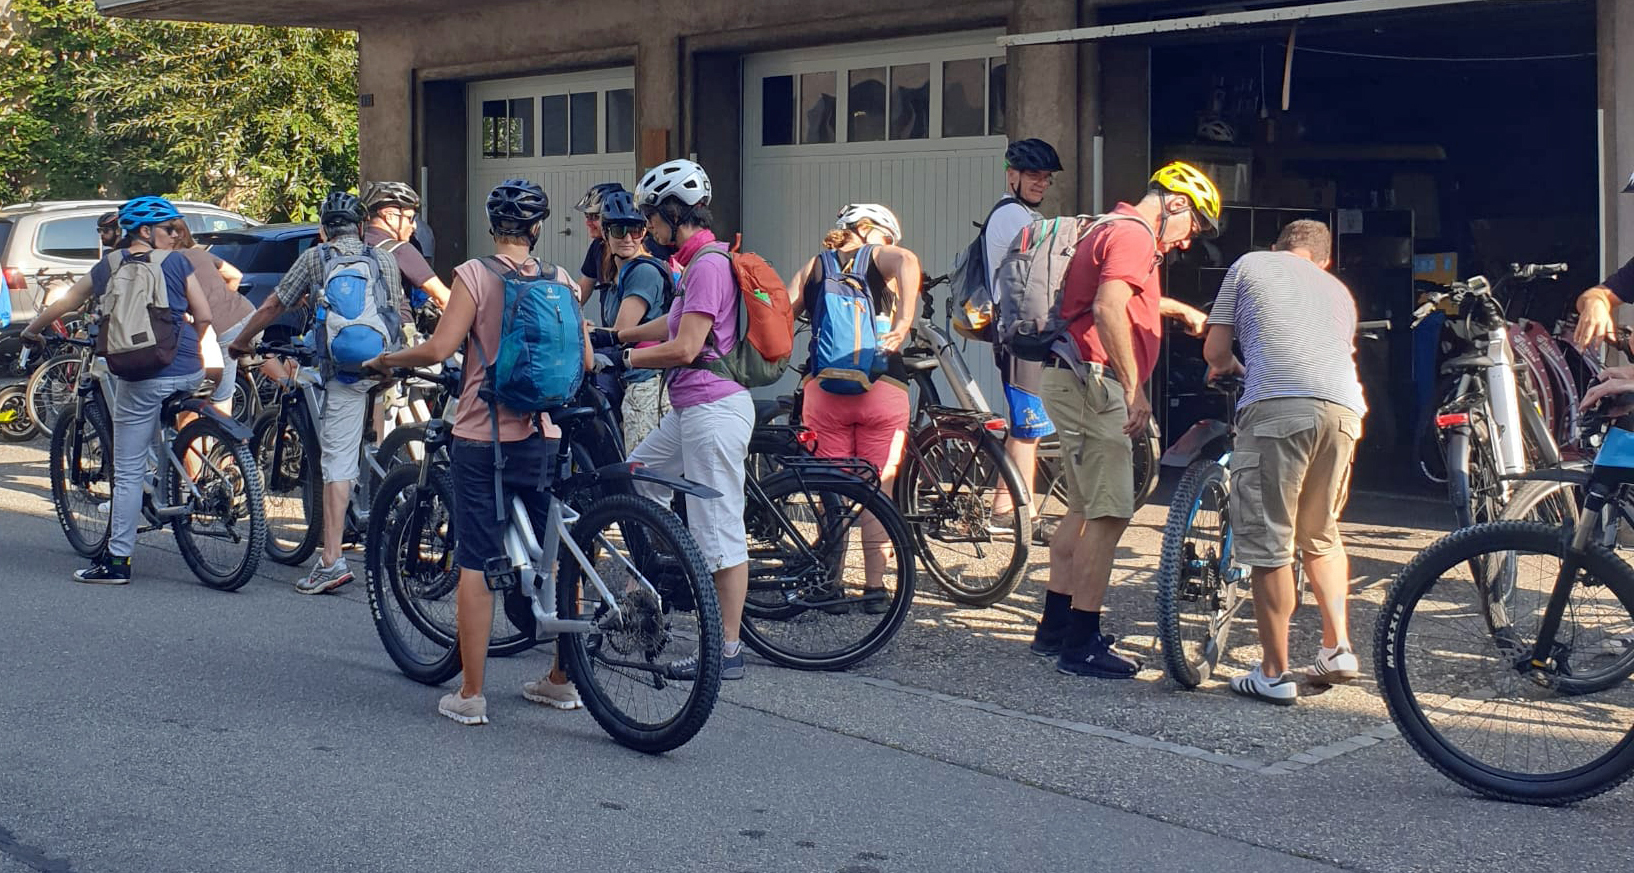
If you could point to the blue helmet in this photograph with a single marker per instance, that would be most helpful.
(618, 207)
(145, 211)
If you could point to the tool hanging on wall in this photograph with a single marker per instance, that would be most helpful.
(1288, 67)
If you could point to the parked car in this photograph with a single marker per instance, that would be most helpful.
(263, 254)
(60, 237)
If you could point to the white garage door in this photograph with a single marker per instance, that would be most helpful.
(566, 132)
(915, 124)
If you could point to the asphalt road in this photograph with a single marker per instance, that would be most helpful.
(167, 727)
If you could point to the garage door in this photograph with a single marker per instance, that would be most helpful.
(917, 125)
(566, 132)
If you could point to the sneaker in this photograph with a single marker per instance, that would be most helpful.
(686, 669)
(1097, 660)
(875, 601)
(1047, 643)
(1335, 666)
(1282, 691)
(465, 710)
(325, 579)
(563, 696)
(105, 571)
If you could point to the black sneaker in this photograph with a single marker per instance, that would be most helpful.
(1048, 643)
(105, 571)
(875, 601)
(1097, 660)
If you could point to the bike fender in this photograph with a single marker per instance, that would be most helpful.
(628, 472)
(235, 428)
(1191, 444)
(1575, 475)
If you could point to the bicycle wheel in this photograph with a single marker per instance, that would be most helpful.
(946, 491)
(1467, 699)
(1555, 503)
(246, 398)
(406, 444)
(667, 612)
(1473, 487)
(411, 577)
(82, 476)
(16, 424)
(292, 483)
(51, 389)
(1197, 600)
(224, 531)
(809, 605)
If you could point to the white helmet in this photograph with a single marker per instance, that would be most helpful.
(873, 213)
(1215, 129)
(684, 180)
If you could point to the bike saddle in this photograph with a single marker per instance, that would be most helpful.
(918, 363)
(571, 415)
(179, 402)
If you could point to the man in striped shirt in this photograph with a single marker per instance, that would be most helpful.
(1298, 421)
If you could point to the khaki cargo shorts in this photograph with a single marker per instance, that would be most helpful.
(1096, 455)
(1290, 478)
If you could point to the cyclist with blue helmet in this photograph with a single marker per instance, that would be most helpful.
(145, 222)
(639, 289)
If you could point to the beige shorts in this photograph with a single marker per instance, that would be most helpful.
(1096, 455)
(340, 428)
(1290, 478)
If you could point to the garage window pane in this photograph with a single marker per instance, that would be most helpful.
(620, 120)
(867, 105)
(493, 122)
(777, 110)
(817, 107)
(995, 98)
(520, 129)
(910, 101)
(964, 112)
(553, 125)
(584, 123)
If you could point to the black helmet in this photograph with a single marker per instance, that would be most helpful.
(515, 204)
(379, 195)
(618, 207)
(341, 208)
(1032, 155)
(593, 200)
(108, 221)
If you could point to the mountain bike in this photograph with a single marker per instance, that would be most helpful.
(614, 578)
(1521, 691)
(202, 481)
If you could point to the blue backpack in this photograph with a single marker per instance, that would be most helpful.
(355, 316)
(539, 364)
(845, 353)
(5, 302)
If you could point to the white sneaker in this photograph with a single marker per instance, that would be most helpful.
(542, 690)
(1282, 691)
(1335, 666)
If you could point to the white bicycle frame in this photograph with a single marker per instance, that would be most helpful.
(537, 575)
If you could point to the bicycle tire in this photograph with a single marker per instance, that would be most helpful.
(1397, 629)
(392, 592)
(664, 546)
(84, 510)
(294, 497)
(16, 424)
(1556, 503)
(246, 398)
(51, 388)
(398, 447)
(1204, 483)
(793, 599)
(938, 517)
(233, 497)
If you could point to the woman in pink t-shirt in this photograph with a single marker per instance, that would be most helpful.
(516, 209)
(705, 436)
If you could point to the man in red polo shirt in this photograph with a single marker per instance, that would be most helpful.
(1115, 306)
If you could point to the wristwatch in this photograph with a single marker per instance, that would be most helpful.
(627, 364)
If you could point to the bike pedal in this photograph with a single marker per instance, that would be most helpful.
(499, 574)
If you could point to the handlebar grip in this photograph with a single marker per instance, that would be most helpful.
(1381, 324)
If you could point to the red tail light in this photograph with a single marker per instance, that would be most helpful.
(1452, 419)
(806, 437)
(994, 424)
(15, 278)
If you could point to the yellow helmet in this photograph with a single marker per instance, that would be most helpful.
(1180, 177)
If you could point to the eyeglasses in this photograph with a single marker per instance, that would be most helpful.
(592, 217)
(620, 231)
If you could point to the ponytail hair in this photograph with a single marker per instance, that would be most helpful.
(835, 238)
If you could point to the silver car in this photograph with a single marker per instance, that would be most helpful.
(59, 239)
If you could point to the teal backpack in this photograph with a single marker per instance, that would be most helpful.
(539, 364)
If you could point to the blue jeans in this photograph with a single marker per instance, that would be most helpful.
(136, 408)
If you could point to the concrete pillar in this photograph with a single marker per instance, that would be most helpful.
(658, 99)
(1125, 113)
(1616, 60)
(1089, 110)
(386, 106)
(1043, 93)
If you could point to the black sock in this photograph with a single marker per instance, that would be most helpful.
(1082, 628)
(1092, 624)
(1057, 611)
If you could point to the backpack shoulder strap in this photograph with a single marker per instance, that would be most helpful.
(390, 246)
(860, 261)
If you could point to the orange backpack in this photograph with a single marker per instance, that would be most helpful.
(765, 329)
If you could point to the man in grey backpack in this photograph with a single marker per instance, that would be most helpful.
(340, 426)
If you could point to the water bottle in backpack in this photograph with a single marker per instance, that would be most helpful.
(356, 319)
(845, 352)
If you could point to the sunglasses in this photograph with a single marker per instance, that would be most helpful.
(620, 231)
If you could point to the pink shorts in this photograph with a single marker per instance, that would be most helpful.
(872, 426)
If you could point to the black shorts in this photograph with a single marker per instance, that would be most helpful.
(479, 535)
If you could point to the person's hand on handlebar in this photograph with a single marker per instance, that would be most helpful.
(1594, 322)
(377, 366)
(893, 339)
(239, 347)
(1234, 369)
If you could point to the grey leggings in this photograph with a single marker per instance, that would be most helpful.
(135, 429)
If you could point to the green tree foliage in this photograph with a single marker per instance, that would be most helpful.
(262, 120)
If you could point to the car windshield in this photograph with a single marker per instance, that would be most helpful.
(204, 222)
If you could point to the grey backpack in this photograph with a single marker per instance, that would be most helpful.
(137, 331)
(1030, 280)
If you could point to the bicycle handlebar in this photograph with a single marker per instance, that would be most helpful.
(286, 350)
